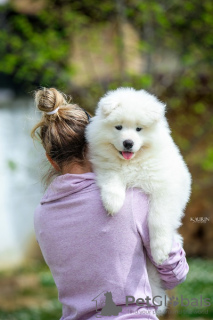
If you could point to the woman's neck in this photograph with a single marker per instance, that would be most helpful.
(76, 168)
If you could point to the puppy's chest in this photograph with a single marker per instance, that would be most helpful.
(142, 176)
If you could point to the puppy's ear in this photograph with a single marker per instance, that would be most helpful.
(157, 110)
(106, 105)
(154, 108)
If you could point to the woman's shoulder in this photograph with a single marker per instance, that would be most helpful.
(68, 184)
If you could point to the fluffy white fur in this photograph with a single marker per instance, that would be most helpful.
(156, 165)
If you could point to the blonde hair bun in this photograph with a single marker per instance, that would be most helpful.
(48, 100)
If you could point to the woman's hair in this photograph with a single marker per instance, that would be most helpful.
(62, 133)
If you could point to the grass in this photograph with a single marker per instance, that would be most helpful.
(197, 288)
(29, 293)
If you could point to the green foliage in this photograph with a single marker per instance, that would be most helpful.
(199, 282)
(12, 165)
(46, 279)
(199, 107)
(52, 312)
(207, 163)
(181, 27)
(36, 50)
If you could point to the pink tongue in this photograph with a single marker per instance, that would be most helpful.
(127, 155)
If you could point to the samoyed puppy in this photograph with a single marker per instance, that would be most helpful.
(131, 146)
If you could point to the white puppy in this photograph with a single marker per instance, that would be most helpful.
(131, 146)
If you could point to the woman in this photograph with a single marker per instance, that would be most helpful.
(98, 261)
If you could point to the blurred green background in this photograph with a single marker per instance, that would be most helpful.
(85, 48)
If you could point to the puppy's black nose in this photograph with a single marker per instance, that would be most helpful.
(128, 144)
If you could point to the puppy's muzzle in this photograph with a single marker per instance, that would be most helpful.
(128, 144)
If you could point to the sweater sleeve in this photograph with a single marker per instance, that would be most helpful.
(172, 271)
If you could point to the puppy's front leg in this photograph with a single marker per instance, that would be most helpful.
(163, 220)
(112, 191)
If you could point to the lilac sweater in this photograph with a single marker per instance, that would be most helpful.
(90, 253)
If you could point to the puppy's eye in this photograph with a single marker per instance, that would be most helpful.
(138, 129)
(118, 127)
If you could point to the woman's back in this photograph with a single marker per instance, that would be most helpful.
(90, 253)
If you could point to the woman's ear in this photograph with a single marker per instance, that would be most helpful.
(53, 163)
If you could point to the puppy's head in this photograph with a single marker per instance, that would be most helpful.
(129, 118)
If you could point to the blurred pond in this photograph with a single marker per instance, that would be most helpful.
(20, 182)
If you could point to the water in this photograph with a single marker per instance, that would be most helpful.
(20, 187)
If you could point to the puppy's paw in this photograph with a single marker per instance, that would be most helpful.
(160, 250)
(112, 202)
(159, 256)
